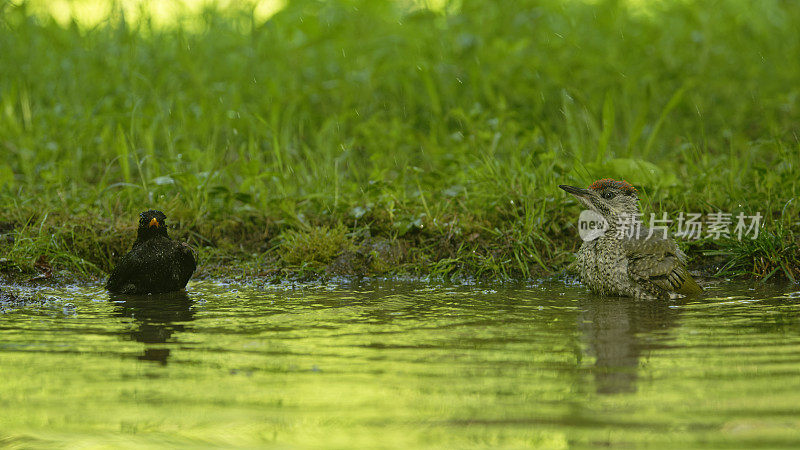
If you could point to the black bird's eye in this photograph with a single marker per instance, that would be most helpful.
(608, 195)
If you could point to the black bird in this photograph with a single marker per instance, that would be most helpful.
(155, 264)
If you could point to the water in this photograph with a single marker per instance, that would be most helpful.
(402, 365)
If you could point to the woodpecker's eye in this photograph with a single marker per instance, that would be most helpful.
(608, 195)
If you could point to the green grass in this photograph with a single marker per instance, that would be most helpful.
(441, 133)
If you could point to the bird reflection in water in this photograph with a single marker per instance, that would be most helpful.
(155, 319)
(618, 331)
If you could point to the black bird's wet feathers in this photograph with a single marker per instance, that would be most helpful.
(155, 263)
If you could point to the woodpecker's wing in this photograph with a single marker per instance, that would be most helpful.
(659, 260)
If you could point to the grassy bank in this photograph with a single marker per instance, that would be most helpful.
(363, 137)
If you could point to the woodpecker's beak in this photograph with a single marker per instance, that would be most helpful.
(585, 196)
(153, 223)
(578, 192)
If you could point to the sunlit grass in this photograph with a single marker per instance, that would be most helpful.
(90, 13)
(443, 130)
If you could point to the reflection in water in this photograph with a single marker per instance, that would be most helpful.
(405, 366)
(614, 329)
(156, 318)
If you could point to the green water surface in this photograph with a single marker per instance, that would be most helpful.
(402, 365)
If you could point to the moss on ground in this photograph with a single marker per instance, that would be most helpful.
(89, 250)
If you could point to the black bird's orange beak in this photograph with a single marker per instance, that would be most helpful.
(153, 223)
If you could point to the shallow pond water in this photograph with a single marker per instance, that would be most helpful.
(402, 365)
